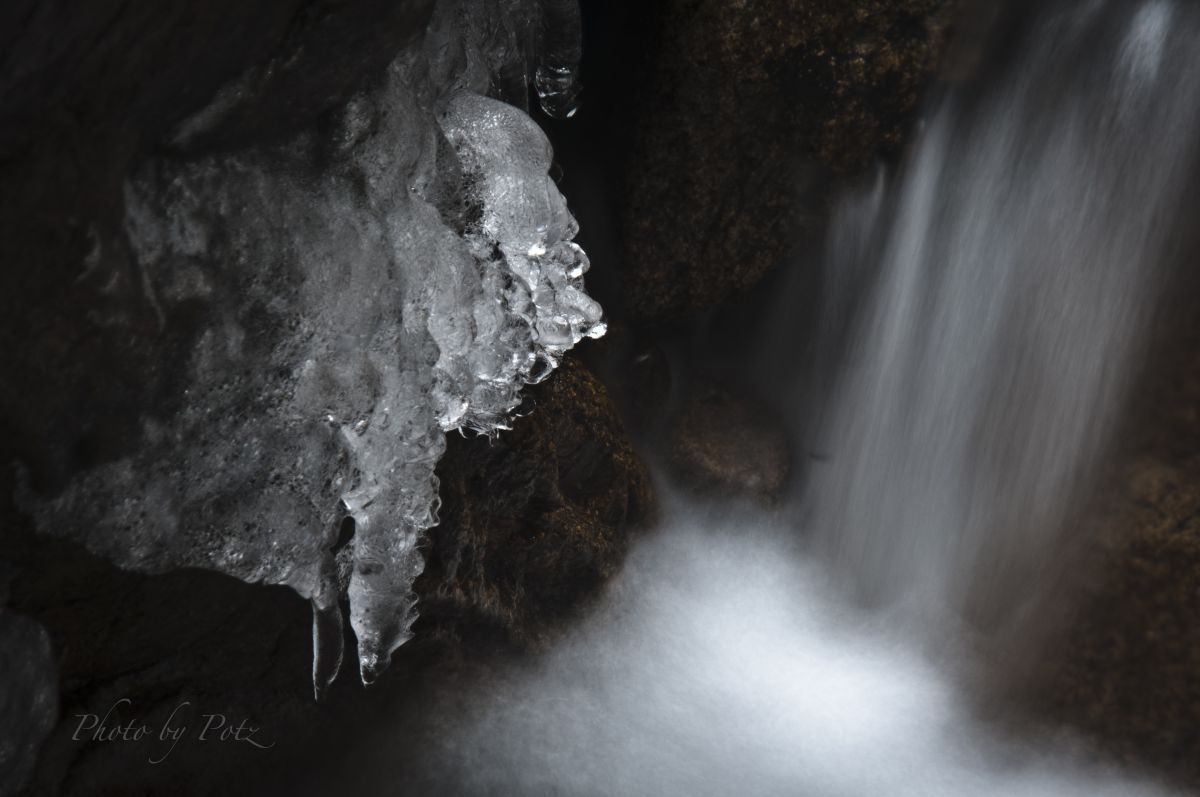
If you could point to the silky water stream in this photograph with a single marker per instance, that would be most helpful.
(1002, 283)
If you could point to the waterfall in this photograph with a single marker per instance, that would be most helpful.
(1020, 260)
(407, 266)
(1003, 286)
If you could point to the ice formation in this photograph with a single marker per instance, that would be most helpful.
(557, 75)
(359, 292)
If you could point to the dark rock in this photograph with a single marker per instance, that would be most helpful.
(536, 520)
(637, 373)
(1125, 667)
(192, 636)
(750, 108)
(29, 706)
(723, 444)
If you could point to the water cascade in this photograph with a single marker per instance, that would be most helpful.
(405, 267)
(997, 293)
(1017, 263)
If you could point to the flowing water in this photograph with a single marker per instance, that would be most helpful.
(1019, 261)
(1002, 285)
(724, 664)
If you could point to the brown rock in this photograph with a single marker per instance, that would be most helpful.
(1127, 669)
(751, 105)
(724, 444)
(536, 520)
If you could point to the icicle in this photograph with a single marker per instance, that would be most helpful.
(556, 79)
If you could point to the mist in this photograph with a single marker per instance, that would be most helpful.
(721, 661)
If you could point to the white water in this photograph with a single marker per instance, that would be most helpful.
(721, 664)
(1017, 265)
(1012, 272)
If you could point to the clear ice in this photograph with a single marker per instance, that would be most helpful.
(359, 293)
(557, 77)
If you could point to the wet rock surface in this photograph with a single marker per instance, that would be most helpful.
(1126, 669)
(536, 520)
(723, 444)
(29, 707)
(750, 109)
